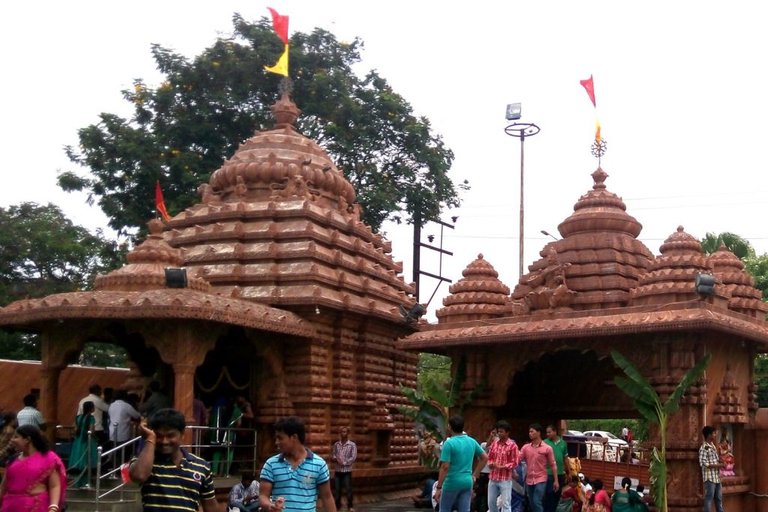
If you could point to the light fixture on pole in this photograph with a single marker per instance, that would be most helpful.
(547, 233)
(521, 131)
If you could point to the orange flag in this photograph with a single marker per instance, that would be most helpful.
(160, 202)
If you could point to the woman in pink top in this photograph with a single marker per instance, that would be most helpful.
(537, 456)
(599, 501)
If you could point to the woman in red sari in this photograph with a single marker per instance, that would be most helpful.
(36, 480)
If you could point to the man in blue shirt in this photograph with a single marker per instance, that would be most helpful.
(461, 460)
(292, 480)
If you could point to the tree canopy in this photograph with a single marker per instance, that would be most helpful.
(182, 130)
(756, 265)
(42, 252)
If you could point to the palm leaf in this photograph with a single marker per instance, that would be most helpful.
(629, 370)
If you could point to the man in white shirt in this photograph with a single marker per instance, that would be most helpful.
(121, 414)
(29, 415)
(100, 407)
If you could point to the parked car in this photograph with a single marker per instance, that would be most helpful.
(605, 446)
(612, 439)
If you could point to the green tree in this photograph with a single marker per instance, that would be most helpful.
(735, 243)
(650, 406)
(757, 266)
(761, 379)
(42, 252)
(182, 130)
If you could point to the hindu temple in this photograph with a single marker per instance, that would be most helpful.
(270, 287)
(542, 352)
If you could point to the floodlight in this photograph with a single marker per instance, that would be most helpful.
(514, 111)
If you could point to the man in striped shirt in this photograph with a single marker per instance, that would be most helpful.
(171, 478)
(343, 455)
(502, 459)
(710, 463)
(292, 480)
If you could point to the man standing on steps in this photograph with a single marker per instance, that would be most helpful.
(171, 478)
(344, 455)
(461, 460)
(709, 460)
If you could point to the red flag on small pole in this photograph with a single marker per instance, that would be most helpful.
(589, 85)
(160, 203)
(280, 24)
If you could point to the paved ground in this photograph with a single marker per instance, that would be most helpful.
(400, 505)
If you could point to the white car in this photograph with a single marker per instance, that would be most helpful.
(602, 445)
(612, 439)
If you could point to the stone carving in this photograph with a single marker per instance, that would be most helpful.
(240, 188)
(295, 186)
(549, 287)
(207, 195)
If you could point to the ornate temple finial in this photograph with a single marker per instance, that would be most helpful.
(285, 111)
(599, 177)
(599, 147)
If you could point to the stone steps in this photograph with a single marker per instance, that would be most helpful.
(126, 499)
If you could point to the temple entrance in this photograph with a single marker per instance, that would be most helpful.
(565, 384)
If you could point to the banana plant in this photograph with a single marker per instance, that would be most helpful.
(649, 404)
(432, 405)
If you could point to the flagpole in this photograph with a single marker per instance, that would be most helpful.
(521, 131)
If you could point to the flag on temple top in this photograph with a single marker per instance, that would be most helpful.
(589, 85)
(281, 66)
(280, 24)
(160, 202)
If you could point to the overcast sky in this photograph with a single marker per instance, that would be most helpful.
(680, 86)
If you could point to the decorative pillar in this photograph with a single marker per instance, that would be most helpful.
(184, 386)
(49, 397)
(184, 347)
(54, 349)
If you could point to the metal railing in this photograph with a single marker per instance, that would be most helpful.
(224, 448)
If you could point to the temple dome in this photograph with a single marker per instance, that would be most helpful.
(281, 159)
(599, 253)
(478, 295)
(146, 266)
(672, 275)
(278, 224)
(729, 269)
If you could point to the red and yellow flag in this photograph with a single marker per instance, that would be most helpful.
(280, 24)
(589, 85)
(160, 202)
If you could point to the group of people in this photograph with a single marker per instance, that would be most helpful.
(540, 465)
(505, 478)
